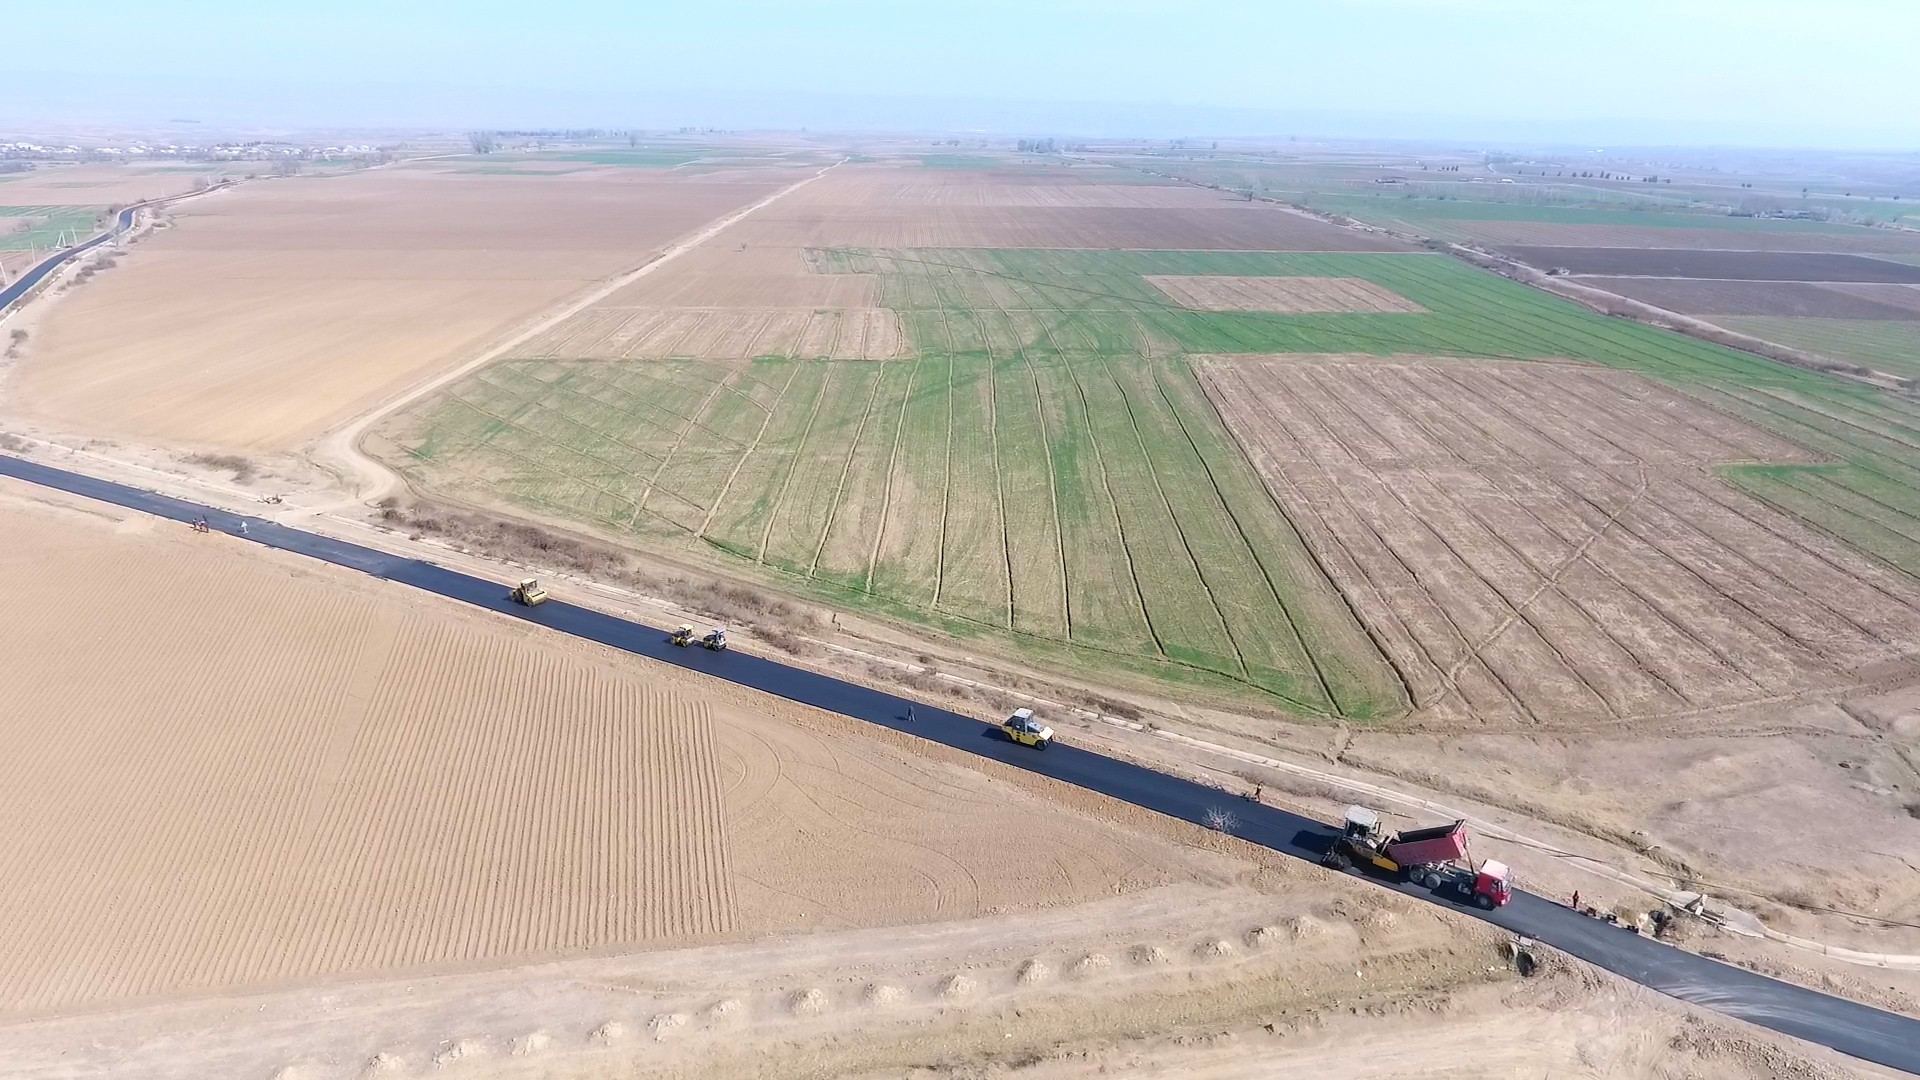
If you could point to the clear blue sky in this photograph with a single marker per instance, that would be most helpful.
(1837, 72)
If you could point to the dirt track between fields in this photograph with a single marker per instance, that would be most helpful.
(371, 479)
(282, 309)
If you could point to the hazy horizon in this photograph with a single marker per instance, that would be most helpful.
(1684, 72)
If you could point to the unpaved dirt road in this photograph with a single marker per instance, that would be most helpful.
(370, 480)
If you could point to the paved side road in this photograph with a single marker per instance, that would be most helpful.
(1873, 1034)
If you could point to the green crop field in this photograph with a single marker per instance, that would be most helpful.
(1882, 344)
(48, 225)
(1046, 471)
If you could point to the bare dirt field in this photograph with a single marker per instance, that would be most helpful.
(1730, 265)
(235, 768)
(104, 185)
(1785, 299)
(1261, 978)
(1506, 234)
(275, 311)
(1282, 295)
(1904, 297)
(887, 207)
(1545, 542)
(722, 333)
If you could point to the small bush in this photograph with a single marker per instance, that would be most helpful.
(241, 468)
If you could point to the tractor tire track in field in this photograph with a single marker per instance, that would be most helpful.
(1053, 483)
(793, 463)
(541, 468)
(560, 386)
(1255, 404)
(846, 467)
(1421, 523)
(1898, 520)
(1549, 580)
(1613, 521)
(946, 472)
(1787, 634)
(1106, 484)
(1274, 480)
(690, 421)
(1678, 624)
(1366, 521)
(1667, 616)
(993, 431)
(1827, 527)
(1273, 590)
(893, 464)
(1226, 631)
(666, 461)
(707, 522)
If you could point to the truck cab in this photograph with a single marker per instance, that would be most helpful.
(1492, 886)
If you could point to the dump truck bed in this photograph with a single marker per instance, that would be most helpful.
(1439, 844)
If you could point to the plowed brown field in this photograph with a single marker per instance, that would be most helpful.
(228, 767)
(277, 310)
(1722, 264)
(1863, 241)
(1777, 299)
(738, 333)
(103, 185)
(1546, 542)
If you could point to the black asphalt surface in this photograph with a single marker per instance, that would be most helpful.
(1851, 1028)
(31, 277)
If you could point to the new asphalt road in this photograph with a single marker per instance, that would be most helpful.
(1850, 1028)
(31, 276)
(124, 220)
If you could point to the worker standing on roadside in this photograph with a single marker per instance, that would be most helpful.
(1576, 899)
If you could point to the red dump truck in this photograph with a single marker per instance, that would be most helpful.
(1436, 857)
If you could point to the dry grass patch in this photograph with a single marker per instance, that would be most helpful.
(1539, 542)
(1285, 295)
